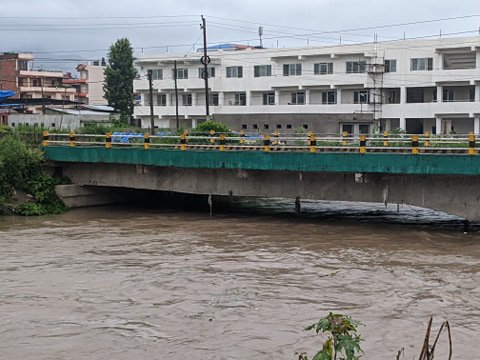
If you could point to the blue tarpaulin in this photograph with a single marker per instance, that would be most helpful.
(6, 94)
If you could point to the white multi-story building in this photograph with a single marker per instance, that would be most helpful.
(413, 85)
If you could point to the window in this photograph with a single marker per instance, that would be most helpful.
(266, 126)
(364, 129)
(35, 83)
(360, 97)
(448, 95)
(298, 98)
(255, 126)
(187, 99)
(262, 70)
(472, 95)
(22, 65)
(213, 99)
(240, 99)
(269, 98)
(182, 73)
(421, 64)
(244, 126)
(347, 128)
(279, 126)
(305, 126)
(390, 65)
(53, 125)
(292, 69)
(234, 71)
(323, 68)
(329, 97)
(289, 126)
(162, 100)
(356, 67)
(157, 74)
(211, 72)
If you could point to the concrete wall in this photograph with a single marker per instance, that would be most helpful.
(70, 122)
(456, 195)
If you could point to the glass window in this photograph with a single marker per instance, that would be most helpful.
(240, 99)
(421, 64)
(187, 99)
(348, 128)
(323, 68)
(234, 71)
(390, 65)
(181, 73)
(269, 98)
(162, 100)
(292, 69)
(360, 97)
(157, 74)
(363, 129)
(448, 95)
(356, 67)
(329, 97)
(298, 98)
(213, 99)
(211, 72)
(262, 70)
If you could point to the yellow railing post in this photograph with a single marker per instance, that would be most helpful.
(222, 142)
(415, 144)
(71, 136)
(363, 144)
(344, 138)
(385, 138)
(275, 138)
(427, 138)
(146, 141)
(212, 138)
(183, 141)
(45, 136)
(108, 140)
(471, 144)
(242, 137)
(313, 143)
(266, 143)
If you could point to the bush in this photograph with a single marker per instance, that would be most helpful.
(206, 126)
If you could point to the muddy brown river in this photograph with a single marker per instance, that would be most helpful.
(123, 283)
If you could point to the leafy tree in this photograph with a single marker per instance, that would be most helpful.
(119, 75)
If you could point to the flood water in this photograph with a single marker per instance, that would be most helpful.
(130, 283)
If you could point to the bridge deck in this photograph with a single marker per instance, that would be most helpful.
(393, 163)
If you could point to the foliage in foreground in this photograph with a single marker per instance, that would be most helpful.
(343, 341)
(21, 172)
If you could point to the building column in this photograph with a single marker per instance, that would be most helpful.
(439, 93)
(307, 97)
(403, 124)
(194, 98)
(221, 98)
(248, 100)
(476, 125)
(477, 93)
(339, 96)
(438, 125)
(403, 95)
(277, 97)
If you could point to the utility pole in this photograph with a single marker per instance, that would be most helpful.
(205, 61)
(260, 34)
(150, 95)
(176, 93)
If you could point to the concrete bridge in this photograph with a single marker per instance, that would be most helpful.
(448, 182)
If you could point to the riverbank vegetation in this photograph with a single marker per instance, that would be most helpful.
(24, 187)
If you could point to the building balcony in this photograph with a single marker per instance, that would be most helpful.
(41, 74)
(46, 89)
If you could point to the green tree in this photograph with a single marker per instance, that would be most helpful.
(119, 75)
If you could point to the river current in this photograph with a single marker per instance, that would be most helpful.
(133, 283)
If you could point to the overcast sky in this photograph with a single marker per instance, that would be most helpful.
(71, 30)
